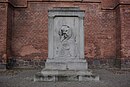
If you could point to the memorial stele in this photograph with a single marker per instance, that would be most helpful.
(65, 60)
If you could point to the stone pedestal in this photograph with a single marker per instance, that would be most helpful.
(66, 60)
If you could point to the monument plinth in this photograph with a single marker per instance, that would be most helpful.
(65, 47)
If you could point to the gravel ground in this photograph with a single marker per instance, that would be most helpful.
(23, 78)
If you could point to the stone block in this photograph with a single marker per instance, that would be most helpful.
(77, 66)
(65, 75)
(55, 65)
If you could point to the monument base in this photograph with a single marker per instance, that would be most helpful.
(66, 70)
(66, 64)
(65, 75)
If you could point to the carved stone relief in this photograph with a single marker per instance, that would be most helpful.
(66, 37)
(65, 33)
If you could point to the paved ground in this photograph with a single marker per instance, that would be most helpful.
(23, 78)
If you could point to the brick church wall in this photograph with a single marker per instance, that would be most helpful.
(10, 13)
(125, 35)
(6, 17)
(3, 29)
(106, 26)
(118, 38)
(29, 38)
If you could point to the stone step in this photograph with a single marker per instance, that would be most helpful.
(65, 75)
(67, 60)
(66, 72)
(66, 65)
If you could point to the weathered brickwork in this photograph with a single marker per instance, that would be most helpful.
(30, 39)
(117, 61)
(9, 34)
(3, 29)
(125, 34)
(109, 4)
(24, 31)
(29, 63)
(125, 1)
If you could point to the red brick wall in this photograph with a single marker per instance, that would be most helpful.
(3, 33)
(118, 32)
(106, 26)
(125, 34)
(6, 25)
(30, 32)
(9, 34)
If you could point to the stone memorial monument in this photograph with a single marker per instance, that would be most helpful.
(66, 60)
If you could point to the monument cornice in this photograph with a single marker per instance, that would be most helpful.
(66, 11)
